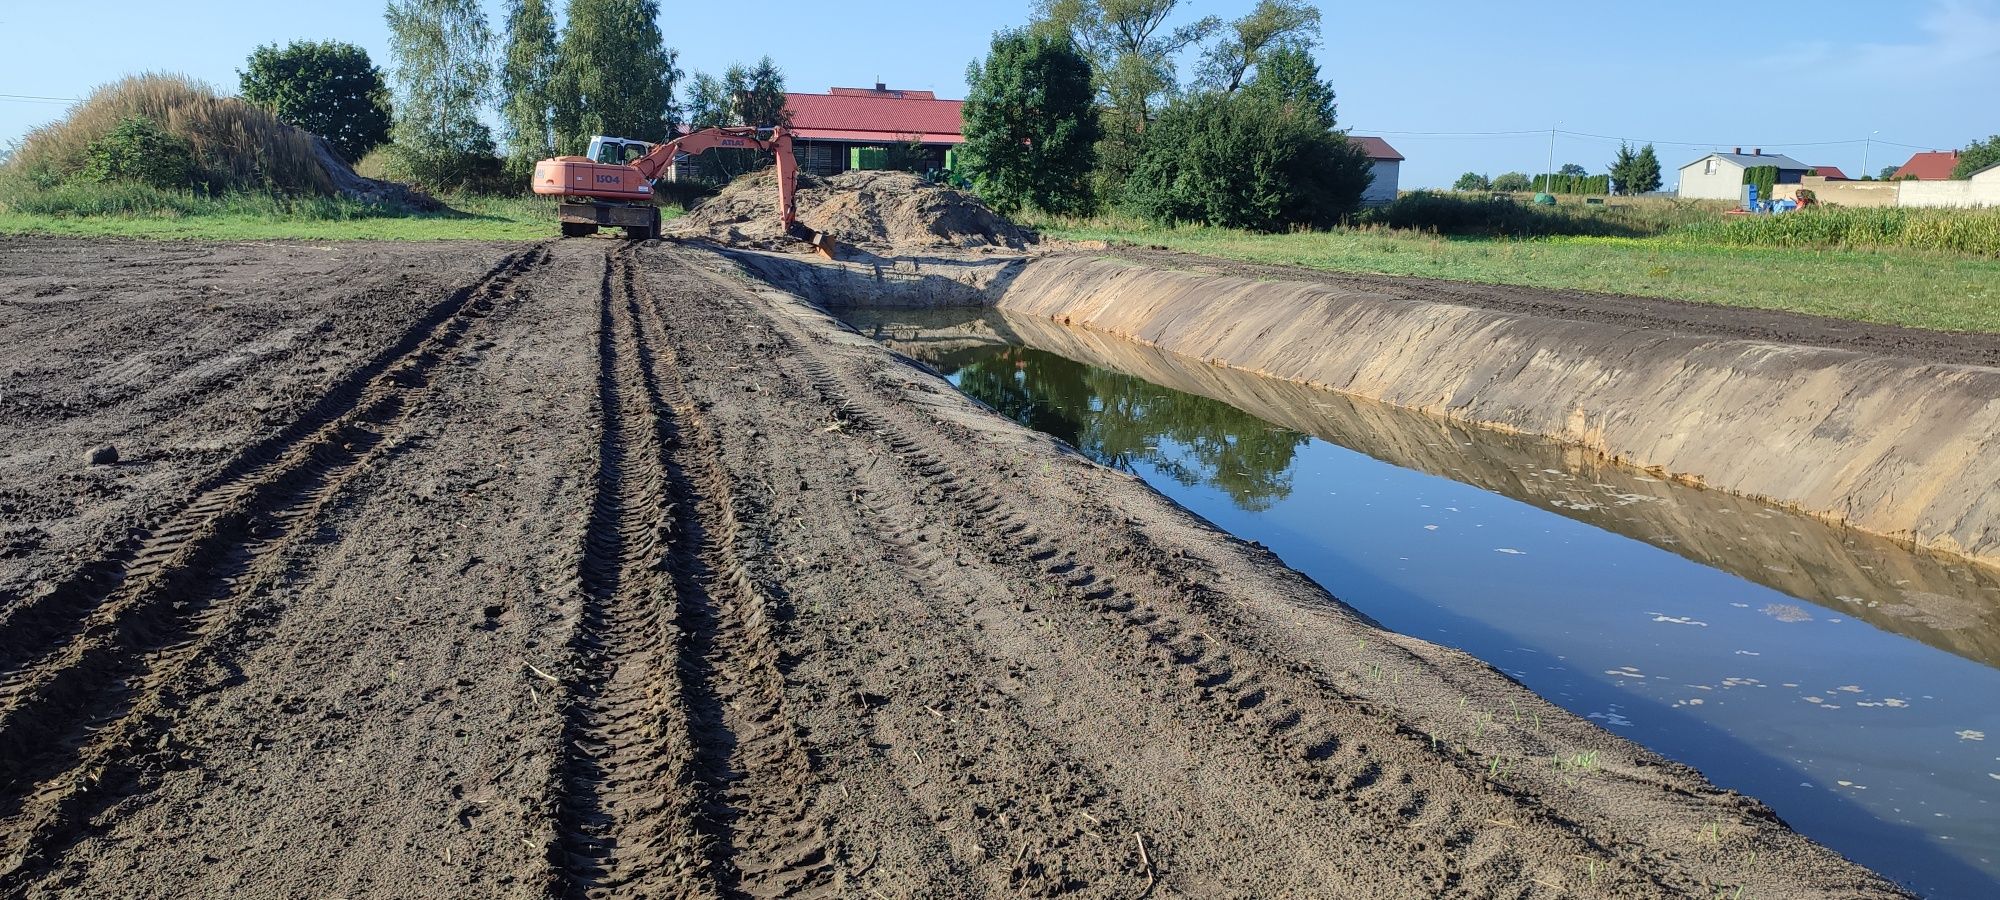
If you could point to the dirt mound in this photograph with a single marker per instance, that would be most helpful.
(892, 211)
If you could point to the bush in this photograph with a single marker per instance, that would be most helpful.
(473, 173)
(137, 149)
(1245, 162)
(1457, 214)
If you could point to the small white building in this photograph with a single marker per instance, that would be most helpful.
(1719, 176)
(1387, 167)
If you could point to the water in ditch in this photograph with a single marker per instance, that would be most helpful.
(1848, 682)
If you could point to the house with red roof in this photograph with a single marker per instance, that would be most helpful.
(828, 129)
(1830, 173)
(1387, 166)
(1931, 165)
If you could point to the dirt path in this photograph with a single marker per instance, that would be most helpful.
(1966, 348)
(607, 574)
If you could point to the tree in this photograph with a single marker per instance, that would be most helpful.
(1888, 173)
(1635, 172)
(441, 73)
(1131, 52)
(1977, 155)
(708, 102)
(1472, 181)
(527, 84)
(757, 94)
(1245, 161)
(1031, 125)
(326, 87)
(1272, 25)
(1288, 77)
(1512, 181)
(744, 95)
(1646, 171)
(615, 75)
(1573, 170)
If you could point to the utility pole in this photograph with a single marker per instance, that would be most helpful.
(1549, 186)
(1867, 144)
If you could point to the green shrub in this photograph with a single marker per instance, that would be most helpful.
(1458, 214)
(137, 149)
(1244, 162)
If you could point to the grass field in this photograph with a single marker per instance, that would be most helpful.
(1952, 292)
(260, 218)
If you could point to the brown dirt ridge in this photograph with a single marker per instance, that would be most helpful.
(596, 569)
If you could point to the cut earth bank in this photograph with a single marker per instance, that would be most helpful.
(585, 569)
(1894, 431)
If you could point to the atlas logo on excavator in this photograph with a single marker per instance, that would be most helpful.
(613, 186)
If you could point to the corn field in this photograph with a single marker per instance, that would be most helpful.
(1966, 231)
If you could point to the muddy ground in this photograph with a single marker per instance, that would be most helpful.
(593, 569)
(1705, 319)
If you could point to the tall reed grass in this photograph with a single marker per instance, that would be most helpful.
(237, 146)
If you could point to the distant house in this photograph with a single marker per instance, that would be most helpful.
(1988, 175)
(829, 127)
(1719, 176)
(1931, 165)
(1831, 173)
(1388, 166)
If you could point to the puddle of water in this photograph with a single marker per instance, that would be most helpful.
(1846, 681)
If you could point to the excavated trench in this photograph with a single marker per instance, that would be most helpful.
(1738, 553)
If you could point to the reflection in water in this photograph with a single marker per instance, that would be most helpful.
(1117, 420)
(1713, 628)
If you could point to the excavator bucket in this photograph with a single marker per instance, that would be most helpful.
(822, 242)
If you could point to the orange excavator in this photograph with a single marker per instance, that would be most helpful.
(613, 186)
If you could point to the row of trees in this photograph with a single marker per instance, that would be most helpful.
(607, 70)
(1083, 107)
(1632, 172)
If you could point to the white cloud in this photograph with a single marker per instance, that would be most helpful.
(1955, 37)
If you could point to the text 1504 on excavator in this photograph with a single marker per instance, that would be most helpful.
(613, 186)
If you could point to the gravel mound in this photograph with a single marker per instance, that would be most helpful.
(891, 211)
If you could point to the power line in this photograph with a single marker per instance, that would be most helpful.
(30, 98)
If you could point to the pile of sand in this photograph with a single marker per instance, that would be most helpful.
(888, 211)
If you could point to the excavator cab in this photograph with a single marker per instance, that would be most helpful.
(616, 151)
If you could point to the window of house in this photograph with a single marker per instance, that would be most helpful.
(1710, 168)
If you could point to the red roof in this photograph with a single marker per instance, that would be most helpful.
(881, 92)
(1831, 173)
(1934, 165)
(861, 114)
(1377, 148)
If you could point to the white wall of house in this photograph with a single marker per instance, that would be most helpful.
(1712, 178)
(1382, 191)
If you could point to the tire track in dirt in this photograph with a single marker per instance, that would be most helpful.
(76, 720)
(695, 785)
(31, 624)
(1462, 818)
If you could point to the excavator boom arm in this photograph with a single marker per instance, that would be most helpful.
(779, 145)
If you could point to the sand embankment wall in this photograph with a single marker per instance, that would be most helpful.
(1889, 445)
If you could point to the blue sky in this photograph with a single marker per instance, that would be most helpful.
(1439, 78)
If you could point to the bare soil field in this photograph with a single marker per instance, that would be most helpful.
(586, 569)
